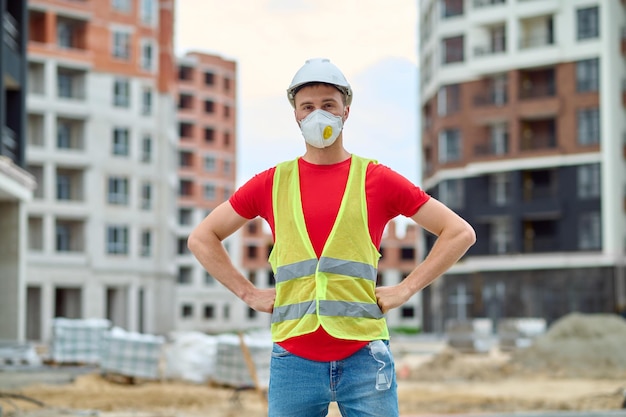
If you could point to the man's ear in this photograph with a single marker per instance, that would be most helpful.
(346, 113)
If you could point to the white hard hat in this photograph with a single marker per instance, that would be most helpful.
(319, 70)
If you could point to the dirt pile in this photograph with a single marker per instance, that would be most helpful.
(579, 345)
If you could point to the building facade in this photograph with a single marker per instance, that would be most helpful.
(523, 127)
(16, 185)
(206, 91)
(101, 144)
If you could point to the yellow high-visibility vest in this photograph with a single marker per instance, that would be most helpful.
(337, 291)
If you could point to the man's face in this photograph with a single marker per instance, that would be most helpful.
(319, 96)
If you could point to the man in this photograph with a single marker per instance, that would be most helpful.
(327, 211)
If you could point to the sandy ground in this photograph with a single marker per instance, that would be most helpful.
(458, 383)
(579, 364)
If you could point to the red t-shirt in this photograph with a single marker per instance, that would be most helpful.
(388, 195)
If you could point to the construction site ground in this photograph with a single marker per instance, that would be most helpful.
(583, 376)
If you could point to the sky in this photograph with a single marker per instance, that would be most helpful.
(373, 42)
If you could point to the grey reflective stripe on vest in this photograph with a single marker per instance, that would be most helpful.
(347, 268)
(327, 308)
(332, 265)
(295, 270)
(293, 311)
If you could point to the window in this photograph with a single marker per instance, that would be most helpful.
(185, 159)
(226, 167)
(500, 236)
(209, 106)
(121, 45)
(146, 243)
(118, 191)
(407, 253)
(121, 5)
(453, 50)
(209, 134)
(448, 99)
(587, 23)
(209, 78)
(451, 8)
(451, 193)
(64, 186)
(252, 252)
(226, 111)
(120, 142)
(121, 93)
(147, 12)
(589, 231)
(499, 189)
(63, 237)
(146, 149)
(117, 240)
(209, 164)
(226, 84)
(183, 249)
(209, 312)
(146, 195)
(588, 181)
(187, 310)
(185, 130)
(226, 138)
(185, 188)
(185, 101)
(449, 145)
(185, 73)
(147, 60)
(589, 126)
(185, 216)
(587, 75)
(64, 85)
(64, 135)
(209, 192)
(184, 275)
(64, 34)
(146, 102)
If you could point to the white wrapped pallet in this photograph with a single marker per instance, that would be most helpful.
(517, 333)
(471, 335)
(190, 356)
(131, 354)
(77, 340)
(230, 364)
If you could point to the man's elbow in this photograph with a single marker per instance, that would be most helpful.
(193, 243)
(468, 235)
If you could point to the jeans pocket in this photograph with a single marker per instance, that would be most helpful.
(279, 352)
(380, 352)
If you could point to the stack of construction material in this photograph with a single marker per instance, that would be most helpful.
(231, 365)
(131, 354)
(472, 336)
(190, 356)
(77, 341)
(519, 333)
(15, 354)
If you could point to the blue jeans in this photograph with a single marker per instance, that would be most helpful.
(303, 388)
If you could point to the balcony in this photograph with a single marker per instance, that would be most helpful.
(11, 32)
(491, 98)
(537, 84)
(487, 3)
(536, 32)
(9, 146)
(493, 146)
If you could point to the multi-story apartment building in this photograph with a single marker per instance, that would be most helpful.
(16, 185)
(206, 120)
(101, 145)
(399, 251)
(523, 127)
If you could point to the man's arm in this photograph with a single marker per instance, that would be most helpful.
(205, 242)
(454, 237)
